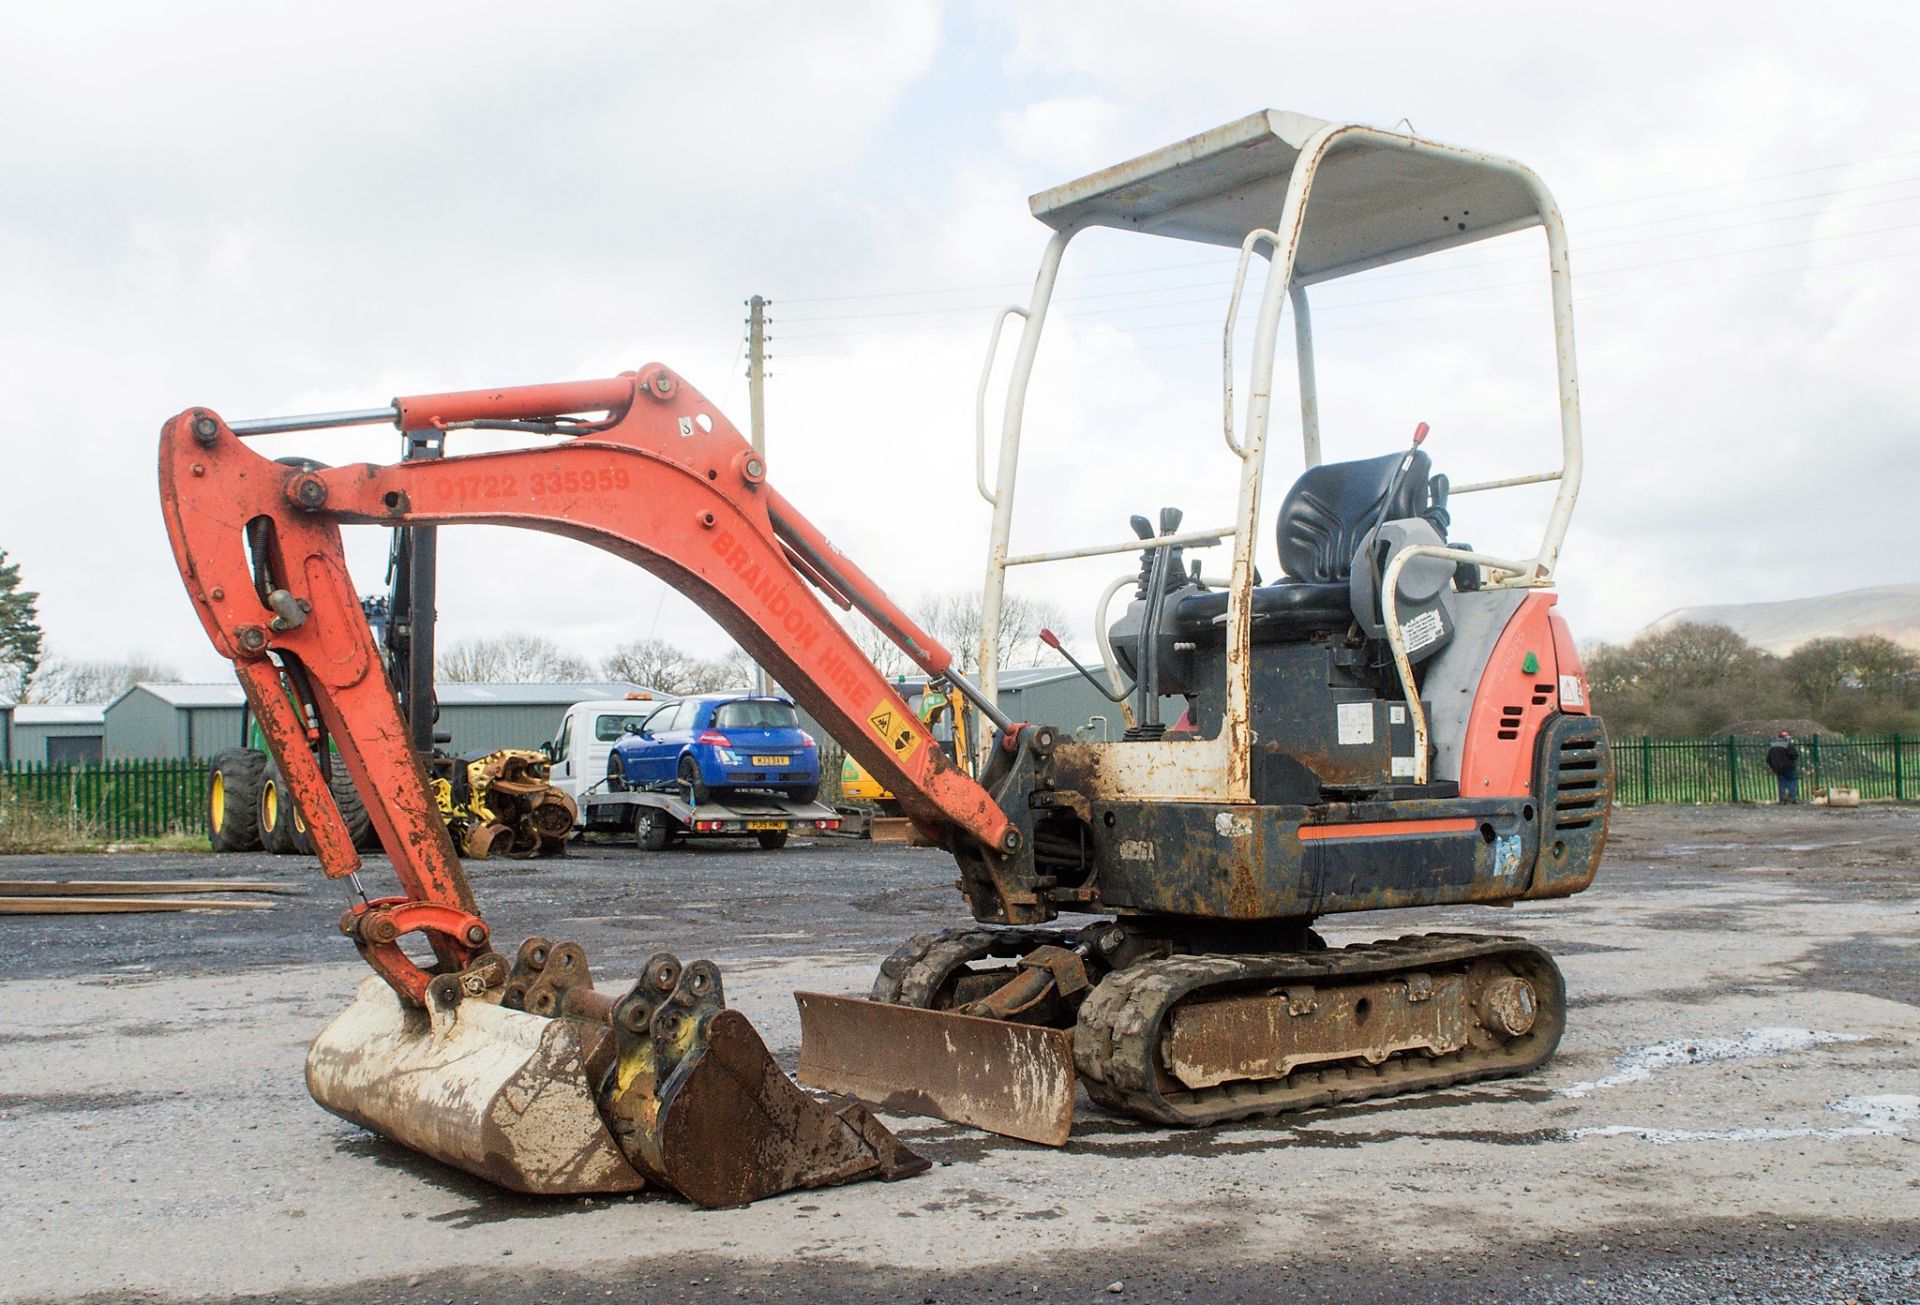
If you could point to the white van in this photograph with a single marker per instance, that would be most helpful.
(586, 736)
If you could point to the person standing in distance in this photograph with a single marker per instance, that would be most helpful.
(1783, 759)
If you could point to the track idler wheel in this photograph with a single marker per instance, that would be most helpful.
(699, 1105)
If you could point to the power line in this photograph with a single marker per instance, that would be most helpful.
(1458, 290)
(1758, 203)
(1744, 181)
(1627, 292)
(1578, 247)
(1214, 343)
(1611, 203)
(1592, 272)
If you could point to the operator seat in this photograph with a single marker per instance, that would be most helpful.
(1326, 514)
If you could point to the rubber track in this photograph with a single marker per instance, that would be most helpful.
(920, 967)
(1116, 1041)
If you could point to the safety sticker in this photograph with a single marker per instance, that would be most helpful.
(1422, 630)
(895, 729)
(1570, 692)
(1353, 723)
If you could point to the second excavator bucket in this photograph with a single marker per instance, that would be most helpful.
(580, 1094)
(1008, 1078)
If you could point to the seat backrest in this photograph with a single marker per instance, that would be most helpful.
(1332, 506)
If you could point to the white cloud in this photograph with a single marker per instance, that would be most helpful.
(1063, 132)
(228, 204)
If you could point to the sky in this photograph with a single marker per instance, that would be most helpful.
(267, 210)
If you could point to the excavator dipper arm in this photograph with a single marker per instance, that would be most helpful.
(663, 480)
(665, 1084)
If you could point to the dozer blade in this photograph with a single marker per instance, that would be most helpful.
(1013, 1079)
(496, 1092)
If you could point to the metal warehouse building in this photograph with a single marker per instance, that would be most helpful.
(482, 717)
(174, 720)
(1040, 695)
(61, 734)
(199, 720)
(1058, 696)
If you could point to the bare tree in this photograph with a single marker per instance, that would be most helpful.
(954, 618)
(516, 658)
(61, 679)
(732, 671)
(670, 668)
(655, 663)
(883, 652)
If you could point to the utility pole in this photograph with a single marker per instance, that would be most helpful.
(757, 409)
(757, 372)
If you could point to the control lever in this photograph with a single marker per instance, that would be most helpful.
(1376, 562)
(1157, 562)
(1052, 640)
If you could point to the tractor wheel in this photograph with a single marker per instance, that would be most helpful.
(697, 791)
(233, 800)
(276, 813)
(302, 836)
(651, 829)
(352, 809)
(772, 840)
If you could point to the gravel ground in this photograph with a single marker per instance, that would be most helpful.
(1731, 1117)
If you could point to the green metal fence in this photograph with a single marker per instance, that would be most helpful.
(146, 799)
(1731, 769)
(114, 799)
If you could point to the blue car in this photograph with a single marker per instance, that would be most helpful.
(716, 744)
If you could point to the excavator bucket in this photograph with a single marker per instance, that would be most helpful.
(1013, 1079)
(496, 1092)
(575, 1093)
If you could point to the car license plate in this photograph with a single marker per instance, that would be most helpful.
(766, 824)
(770, 761)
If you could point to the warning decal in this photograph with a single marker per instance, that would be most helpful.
(895, 729)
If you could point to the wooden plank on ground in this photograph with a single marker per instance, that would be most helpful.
(134, 887)
(116, 905)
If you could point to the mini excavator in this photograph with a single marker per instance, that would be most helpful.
(1397, 720)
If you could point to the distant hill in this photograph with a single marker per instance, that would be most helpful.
(1891, 610)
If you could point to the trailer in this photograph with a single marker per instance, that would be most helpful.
(657, 818)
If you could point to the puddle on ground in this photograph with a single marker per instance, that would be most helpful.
(1879, 1116)
(1641, 1063)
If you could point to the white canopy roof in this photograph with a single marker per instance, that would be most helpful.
(1377, 197)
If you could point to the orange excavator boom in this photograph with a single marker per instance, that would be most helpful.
(649, 470)
(662, 480)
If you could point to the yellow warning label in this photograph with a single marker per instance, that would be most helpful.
(895, 729)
